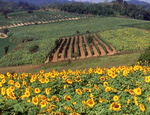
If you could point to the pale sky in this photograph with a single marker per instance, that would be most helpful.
(97, 1)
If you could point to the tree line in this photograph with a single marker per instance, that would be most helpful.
(115, 8)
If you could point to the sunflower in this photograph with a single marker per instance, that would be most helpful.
(69, 81)
(115, 106)
(27, 93)
(79, 91)
(90, 102)
(17, 85)
(105, 84)
(11, 82)
(43, 103)
(54, 98)
(102, 78)
(136, 100)
(137, 91)
(142, 107)
(35, 100)
(52, 107)
(78, 79)
(68, 108)
(24, 83)
(47, 91)
(3, 91)
(46, 80)
(147, 79)
(107, 89)
(87, 89)
(96, 87)
(100, 100)
(37, 90)
(64, 77)
(74, 113)
(115, 98)
(67, 98)
(148, 98)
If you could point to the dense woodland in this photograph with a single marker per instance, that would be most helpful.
(114, 8)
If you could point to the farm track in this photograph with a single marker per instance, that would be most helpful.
(79, 44)
(38, 22)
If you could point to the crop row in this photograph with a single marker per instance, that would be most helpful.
(38, 22)
(79, 47)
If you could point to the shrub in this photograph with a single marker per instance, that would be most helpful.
(5, 31)
(34, 49)
(30, 12)
(77, 32)
(145, 57)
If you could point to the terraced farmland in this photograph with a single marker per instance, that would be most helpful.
(79, 47)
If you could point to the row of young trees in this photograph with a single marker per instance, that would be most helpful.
(115, 8)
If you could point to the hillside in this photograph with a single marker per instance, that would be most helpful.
(32, 35)
(42, 2)
(143, 4)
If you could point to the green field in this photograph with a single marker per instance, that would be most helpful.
(3, 43)
(44, 35)
(23, 17)
(127, 39)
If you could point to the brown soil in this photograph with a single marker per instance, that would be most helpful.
(3, 36)
(87, 47)
(30, 23)
(81, 48)
(63, 52)
(70, 49)
(55, 55)
(100, 47)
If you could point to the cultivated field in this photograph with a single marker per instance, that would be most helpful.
(80, 47)
(24, 18)
(45, 35)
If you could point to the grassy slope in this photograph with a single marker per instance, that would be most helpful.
(127, 39)
(3, 43)
(47, 33)
(106, 61)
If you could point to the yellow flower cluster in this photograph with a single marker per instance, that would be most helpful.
(115, 89)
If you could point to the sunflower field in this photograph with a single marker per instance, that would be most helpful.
(123, 90)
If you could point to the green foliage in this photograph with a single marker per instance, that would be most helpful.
(53, 31)
(6, 48)
(77, 32)
(37, 16)
(90, 38)
(5, 31)
(34, 48)
(127, 39)
(116, 8)
(143, 26)
(145, 57)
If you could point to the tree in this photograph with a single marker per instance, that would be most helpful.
(30, 12)
(6, 48)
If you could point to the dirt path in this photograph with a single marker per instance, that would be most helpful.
(38, 22)
(55, 55)
(113, 51)
(81, 48)
(75, 45)
(95, 50)
(62, 55)
(69, 52)
(3, 36)
(87, 47)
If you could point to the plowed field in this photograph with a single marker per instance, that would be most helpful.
(80, 47)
